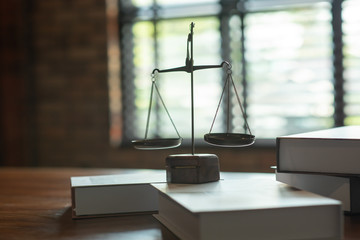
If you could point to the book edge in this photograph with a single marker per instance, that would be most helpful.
(116, 184)
(303, 134)
(76, 217)
(95, 215)
(175, 230)
(348, 175)
(333, 173)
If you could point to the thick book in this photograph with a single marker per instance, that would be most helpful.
(127, 193)
(344, 189)
(333, 151)
(247, 209)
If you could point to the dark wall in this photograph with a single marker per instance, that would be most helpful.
(13, 62)
(70, 73)
(54, 82)
(54, 96)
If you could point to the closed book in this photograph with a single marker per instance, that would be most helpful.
(247, 209)
(333, 151)
(344, 189)
(127, 193)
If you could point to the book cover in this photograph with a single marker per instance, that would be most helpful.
(247, 209)
(127, 193)
(344, 189)
(333, 151)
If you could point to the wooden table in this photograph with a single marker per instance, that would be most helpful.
(35, 204)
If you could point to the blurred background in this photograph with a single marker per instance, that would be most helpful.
(76, 77)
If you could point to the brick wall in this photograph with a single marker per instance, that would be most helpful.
(70, 72)
(64, 107)
(13, 59)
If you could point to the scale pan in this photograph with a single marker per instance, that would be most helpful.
(229, 139)
(156, 143)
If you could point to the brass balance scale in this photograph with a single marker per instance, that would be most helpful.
(195, 168)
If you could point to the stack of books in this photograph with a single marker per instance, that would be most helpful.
(326, 162)
(239, 206)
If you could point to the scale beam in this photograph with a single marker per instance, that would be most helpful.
(188, 68)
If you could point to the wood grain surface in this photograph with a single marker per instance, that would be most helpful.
(35, 204)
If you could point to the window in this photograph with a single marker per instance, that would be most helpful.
(351, 41)
(287, 61)
(289, 69)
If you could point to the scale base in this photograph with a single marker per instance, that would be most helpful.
(189, 168)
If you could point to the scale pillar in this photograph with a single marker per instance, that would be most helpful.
(192, 168)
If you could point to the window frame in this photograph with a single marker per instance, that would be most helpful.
(227, 9)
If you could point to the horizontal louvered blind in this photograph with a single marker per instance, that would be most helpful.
(282, 53)
(351, 41)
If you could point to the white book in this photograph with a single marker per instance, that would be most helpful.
(247, 209)
(344, 189)
(127, 193)
(331, 151)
